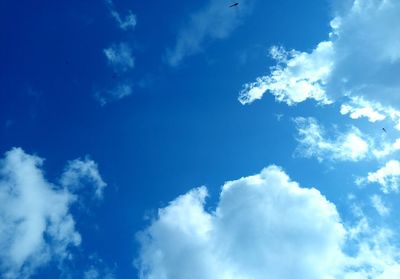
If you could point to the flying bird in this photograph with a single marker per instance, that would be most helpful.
(383, 129)
(234, 5)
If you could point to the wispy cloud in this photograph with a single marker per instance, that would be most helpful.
(313, 142)
(380, 207)
(125, 23)
(118, 92)
(120, 57)
(80, 173)
(215, 21)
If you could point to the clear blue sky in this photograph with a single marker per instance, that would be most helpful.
(148, 91)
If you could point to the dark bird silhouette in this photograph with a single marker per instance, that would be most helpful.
(234, 5)
(383, 129)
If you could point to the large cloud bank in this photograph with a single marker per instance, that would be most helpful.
(360, 60)
(36, 225)
(264, 226)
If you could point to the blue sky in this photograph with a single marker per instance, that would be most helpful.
(193, 140)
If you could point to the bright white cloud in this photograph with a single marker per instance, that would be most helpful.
(361, 60)
(264, 226)
(125, 23)
(79, 173)
(215, 21)
(350, 146)
(298, 76)
(120, 57)
(388, 176)
(359, 107)
(30, 209)
(36, 225)
(378, 204)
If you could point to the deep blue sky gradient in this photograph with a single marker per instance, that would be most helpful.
(181, 128)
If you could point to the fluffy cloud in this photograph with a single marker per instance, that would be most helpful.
(298, 76)
(215, 21)
(359, 107)
(125, 23)
(264, 226)
(387, 149)
(350, 146)
(120, 57)
(360, 60)
(35, 219)
(388, 177)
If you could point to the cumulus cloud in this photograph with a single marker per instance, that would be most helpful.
(388, 177)
(264, 226)
(350, 146)
(120, 57)
(125, 23)
(35, 219)
(358, 107)
(214, 21)
(298, 76)
(360, 60)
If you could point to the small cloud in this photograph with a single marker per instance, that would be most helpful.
(388, 176)
(214, 21)
(119, 92)
(120, 57)
(380, 207)
(350, 146)
(298, 76)
(359, 107)
(79, 173)
(125, 23)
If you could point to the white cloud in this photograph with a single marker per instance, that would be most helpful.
(128, 22)
(386, 149)
(350, 146)
(36, 225)
(298, 76)
(120, 57)
(264, 226)
(388, 176)
(378, 204)
(215, 21)
(358, 107)
(361, 60)
(79, 173)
